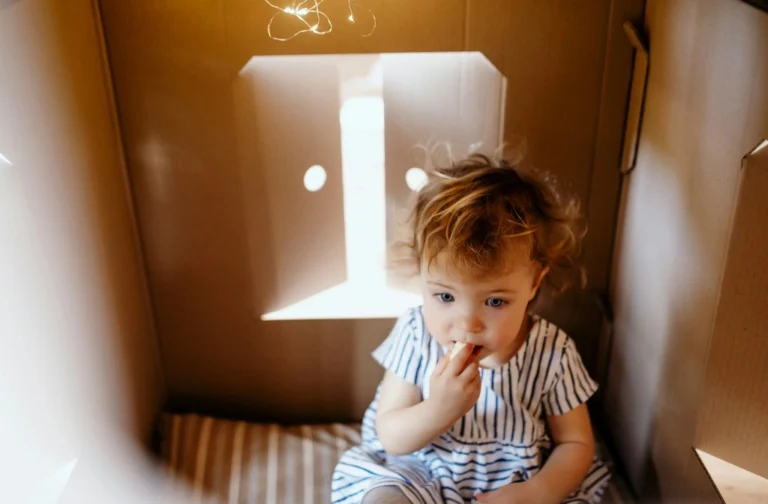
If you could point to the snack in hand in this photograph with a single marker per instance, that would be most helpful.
(457, 348)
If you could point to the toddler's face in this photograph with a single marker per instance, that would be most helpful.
(487, 313)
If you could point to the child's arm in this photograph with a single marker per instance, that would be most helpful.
(572, 457)
(406, 424)
(565, 469)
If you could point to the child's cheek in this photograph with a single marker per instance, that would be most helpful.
(507, 326)
(435, 326)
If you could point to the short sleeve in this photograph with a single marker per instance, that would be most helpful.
(402, 351)
(572, 385)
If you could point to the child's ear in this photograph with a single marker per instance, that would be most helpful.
(538, 281)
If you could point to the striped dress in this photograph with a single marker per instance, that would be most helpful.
(502, 440)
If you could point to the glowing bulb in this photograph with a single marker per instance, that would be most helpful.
(302, 12)
(289, 10)
(352, 18)
(314, 28)
(415, 179)
(5, 160)
(314, 178)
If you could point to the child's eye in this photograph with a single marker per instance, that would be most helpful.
(444, 297)
(495, 302)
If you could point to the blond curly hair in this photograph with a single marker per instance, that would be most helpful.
(486, 216)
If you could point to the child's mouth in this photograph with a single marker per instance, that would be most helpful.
(459, 345)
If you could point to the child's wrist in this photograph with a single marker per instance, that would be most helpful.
(541, 490)
(437, 413)
(433, 409)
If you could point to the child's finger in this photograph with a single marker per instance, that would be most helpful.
(471, 371)
(441, 365)
(458, 363)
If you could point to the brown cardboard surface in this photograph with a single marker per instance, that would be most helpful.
(706, 105)
(605, 178)
(71, 271)
(734, 412)
(296, 237)
(636, 97)
(81, 377)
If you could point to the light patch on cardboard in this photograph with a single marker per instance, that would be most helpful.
(735, 485)
(762, 145)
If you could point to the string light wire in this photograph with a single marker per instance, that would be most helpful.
(309, 13)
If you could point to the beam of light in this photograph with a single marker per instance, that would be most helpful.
(5, 160)
(363, 175)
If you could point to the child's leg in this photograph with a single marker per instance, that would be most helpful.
(386, 495)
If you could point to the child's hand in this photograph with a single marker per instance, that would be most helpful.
(455, 384)
(514, 493)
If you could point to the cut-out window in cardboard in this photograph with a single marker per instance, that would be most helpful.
(367, 123)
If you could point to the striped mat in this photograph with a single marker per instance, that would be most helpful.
(232, 462)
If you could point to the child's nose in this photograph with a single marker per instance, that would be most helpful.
(471, 324)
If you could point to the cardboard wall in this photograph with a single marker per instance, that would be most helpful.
(734, 411)
(174, 64)
(81, 381)
(706, 107)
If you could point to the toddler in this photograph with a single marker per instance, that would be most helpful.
(504, 419)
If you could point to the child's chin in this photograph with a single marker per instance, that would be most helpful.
(490, 361)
